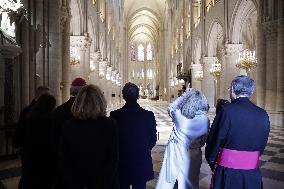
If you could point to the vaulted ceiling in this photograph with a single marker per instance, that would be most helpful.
(144, 19)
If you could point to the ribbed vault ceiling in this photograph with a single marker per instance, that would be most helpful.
(144, 19)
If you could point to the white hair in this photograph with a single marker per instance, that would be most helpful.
(194, 103)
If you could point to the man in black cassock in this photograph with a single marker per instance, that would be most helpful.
(237, 138)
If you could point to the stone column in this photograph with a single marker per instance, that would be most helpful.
(280, 67)
(261, 66)
(65, 32)
(196, 84)
(24, 63)
(55, 49)
(230, 70)
(9, 52)
(271, 65)
(208, 81)
(222, 90)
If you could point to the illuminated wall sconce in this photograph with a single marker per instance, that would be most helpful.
(102, 68)
(246, 60)
(199, 75)
(216, 69)
(74, 56)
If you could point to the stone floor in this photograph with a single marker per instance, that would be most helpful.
(272, 160)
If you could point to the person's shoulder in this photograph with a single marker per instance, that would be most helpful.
(261, 111)
(116, 112)
(147, 112)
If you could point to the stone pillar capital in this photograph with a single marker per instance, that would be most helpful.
(232, 49)
(196, 66)
(10, 51)
(81, 42)
(270, 30)
(96, 56)
(209, 60)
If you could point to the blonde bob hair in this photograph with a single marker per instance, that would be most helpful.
(90, 103)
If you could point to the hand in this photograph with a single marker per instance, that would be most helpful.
(188, 88)
(170, 111)
(179, 117)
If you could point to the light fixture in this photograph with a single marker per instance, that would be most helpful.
(199, 75)
(216, 69)
(246, 60)
(74, 56)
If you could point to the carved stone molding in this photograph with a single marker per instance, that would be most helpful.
(233, 49)
(65, 16)
(81, 42)
(270, 30)
(209, 60)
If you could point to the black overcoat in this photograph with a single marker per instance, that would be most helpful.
(90, 154)
(137, 137)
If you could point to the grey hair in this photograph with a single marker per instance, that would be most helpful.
(195, 103)
(243, 85)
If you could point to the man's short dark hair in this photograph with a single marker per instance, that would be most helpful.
(130, 92)
(243, 85)
(41, 90)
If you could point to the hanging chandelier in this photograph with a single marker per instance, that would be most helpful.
(246, 60)
(216, 69)
(199, 75)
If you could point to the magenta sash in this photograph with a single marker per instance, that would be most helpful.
(234, 159)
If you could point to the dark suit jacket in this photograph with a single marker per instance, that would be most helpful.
(61, 114)
(19, 137)
(137, 137)
(241, 126)
(90, 154)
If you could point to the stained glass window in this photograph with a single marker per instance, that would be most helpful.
(132, 53)
(149, 52)
(140, 53)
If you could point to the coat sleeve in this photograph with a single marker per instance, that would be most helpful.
(267, 126)
(194, 129)
(176, 104)
(153, 131)
(217, 137)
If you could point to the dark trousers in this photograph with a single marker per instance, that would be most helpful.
(134, 186)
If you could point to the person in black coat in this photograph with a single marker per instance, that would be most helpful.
(236, 139)
(20, 131)
(137, 137)
(90, 144)
(61, 114)
(36, 145)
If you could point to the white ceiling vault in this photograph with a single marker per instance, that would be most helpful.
(144, 19)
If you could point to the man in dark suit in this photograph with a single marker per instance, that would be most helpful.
(236, 140)
(61, 114)
(137, 137)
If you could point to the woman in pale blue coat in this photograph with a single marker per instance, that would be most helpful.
(183, 156)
